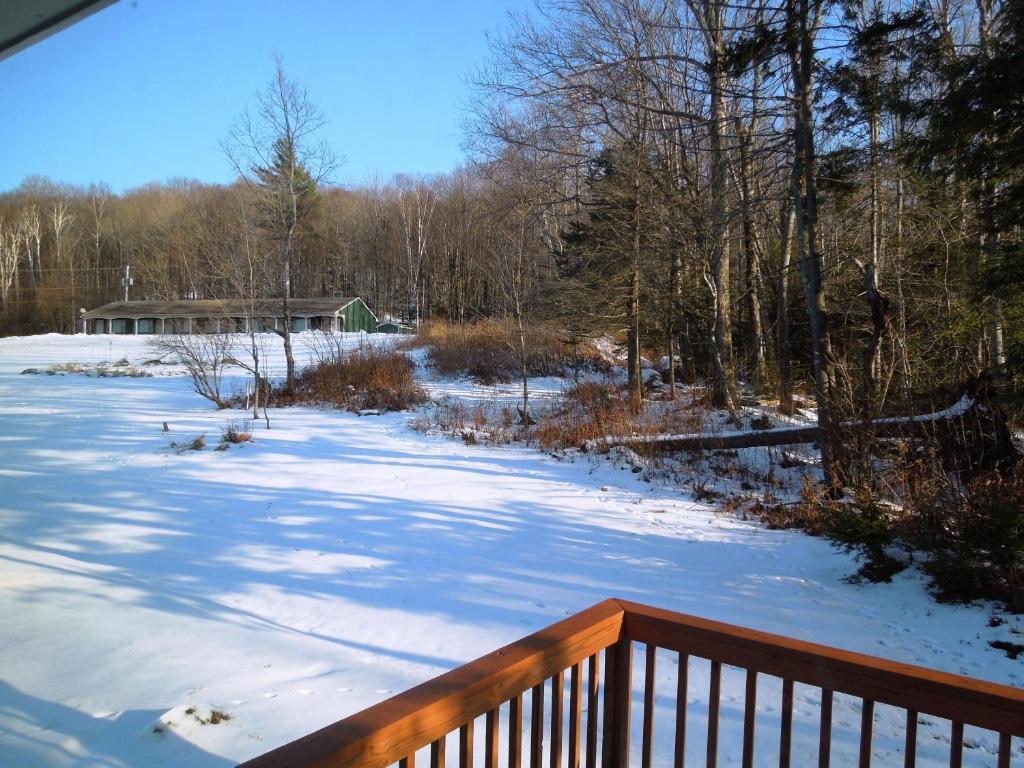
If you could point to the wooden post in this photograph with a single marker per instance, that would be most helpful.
(618, 694)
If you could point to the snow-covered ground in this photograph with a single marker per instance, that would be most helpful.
(339, 559)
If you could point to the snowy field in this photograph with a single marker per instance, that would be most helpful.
(339, 559)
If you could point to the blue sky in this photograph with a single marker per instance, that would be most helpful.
(144, 90)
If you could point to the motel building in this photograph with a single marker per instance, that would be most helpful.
(226, 316)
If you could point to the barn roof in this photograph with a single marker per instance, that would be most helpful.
(218, 308)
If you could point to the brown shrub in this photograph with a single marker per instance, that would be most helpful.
(480, 422)
(593, 410)
(236, 432)
(365, 379)
(489, 351)
(798, 515)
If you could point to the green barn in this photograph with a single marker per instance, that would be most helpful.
(356, 316)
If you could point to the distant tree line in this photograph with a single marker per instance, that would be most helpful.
(409, 246)
(784, 195)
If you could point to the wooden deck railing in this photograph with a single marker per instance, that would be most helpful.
(604, 635)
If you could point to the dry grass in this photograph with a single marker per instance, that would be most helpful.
(122, 368)
(593, 410)
(489, 351)
(589, 411)
(365, 379)
(236, 432)
(785, 516)
(476, 423)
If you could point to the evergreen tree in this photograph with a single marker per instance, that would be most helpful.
(975, 137)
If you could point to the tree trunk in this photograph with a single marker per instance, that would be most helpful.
(924, 425)
(635, 379)
(802, 64)
(724, 390)
(527, 421)
(287, 311)
(906, 380)
(877, 302)
(675, 316)
(788, 226)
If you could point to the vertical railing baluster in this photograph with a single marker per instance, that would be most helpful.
(575, 715)
(648, 724)
(437, 753)
(867, 723)
(593, 690)
(956, 746)
(466, 745)
(749, 718)
(537, 726)
(515, 732)
(618, 696)
(557, 697)
(1004, 751)
(679, 753)
(786, 725)
(825, 730)
(492, 737)
(910, 744)
(409, 761)
(714, 703)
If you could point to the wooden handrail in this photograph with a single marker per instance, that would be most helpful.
(954, 697)
(392, 731)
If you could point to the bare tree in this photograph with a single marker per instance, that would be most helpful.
(512, 247)
(99, 195)
(30, 229)
(416, 202)
(274, 151)
(60, 219)
(242, 268)
(204, 356)
(713, 20)
(9, 251)
(803, 19)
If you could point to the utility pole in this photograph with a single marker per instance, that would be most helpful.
(127, 279)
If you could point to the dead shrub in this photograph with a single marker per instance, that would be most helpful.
(489, 351)
(481, 422)
(237, 431)
(363, 379)
(704, 492)
(594, 410)
(786, 516)
(203, 356)
(589, 411)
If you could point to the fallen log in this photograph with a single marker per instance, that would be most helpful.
(899, 426)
